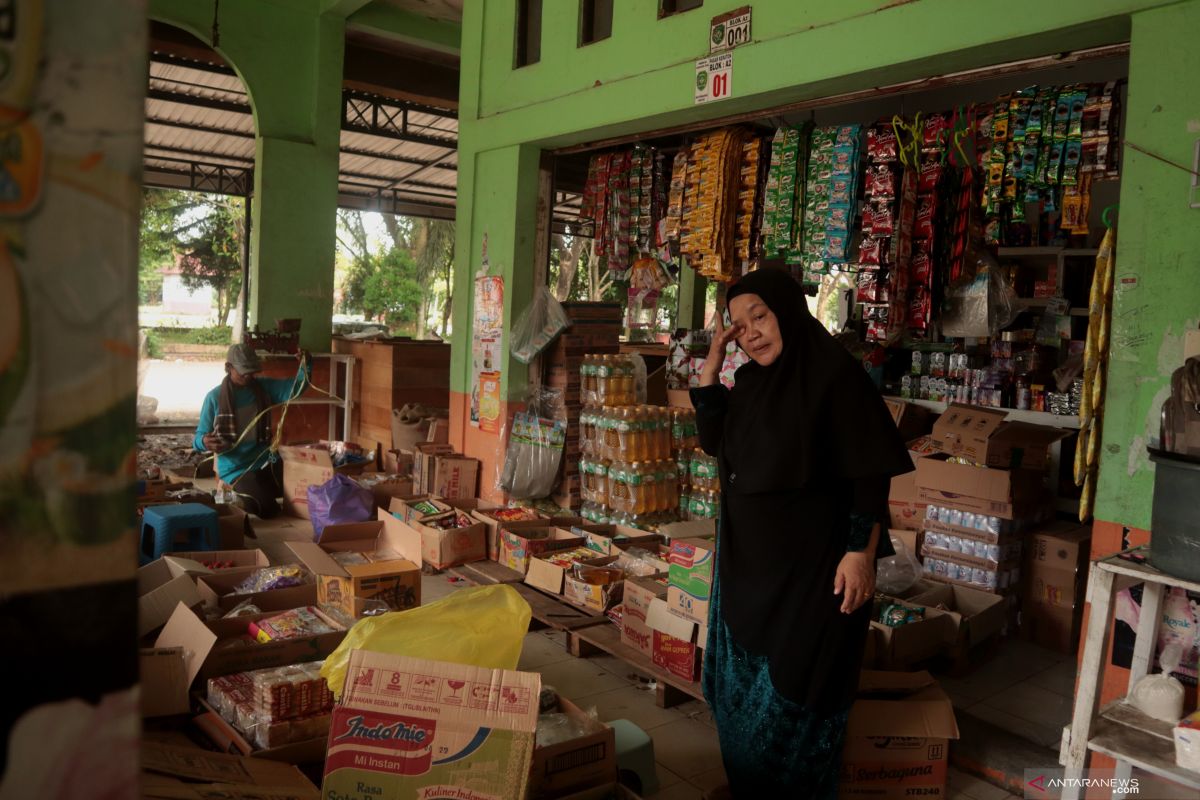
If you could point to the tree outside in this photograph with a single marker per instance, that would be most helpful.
(397, 271)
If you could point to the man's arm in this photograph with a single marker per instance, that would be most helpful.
(208, 415)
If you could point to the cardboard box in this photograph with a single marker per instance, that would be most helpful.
(638, 595)
(976, 615)
(904, 645)
(237, 559)
(911, 419)
(217, 592)
(982, 435)
(384, 487)
(1052, 626)
(547, 575)
(1008, 494)
(225, 736)
(162, 585)
(285, 781)
(405, 725)
(444, 548)
(688, 529)
(163, 681)
(355, 588)
(691, 577)
(599, 598)
(483, 513)
(453, 477)
(610, 540)
(578, 764)
(308, 465)
(897, 738)
(233, 526)
(675, 641)
(519, 545)
(220, 647)
(398, 462)
(1063, 546)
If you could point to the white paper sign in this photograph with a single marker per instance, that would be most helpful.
(727, 31)
(714, 78)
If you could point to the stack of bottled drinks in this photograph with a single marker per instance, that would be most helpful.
(608, 380)
(634, 460)
(701, 497)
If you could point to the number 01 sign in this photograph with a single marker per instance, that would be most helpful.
(714, 78)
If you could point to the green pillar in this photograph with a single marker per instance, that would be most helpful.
(1156, 294)
(692, 291)
(289, 56)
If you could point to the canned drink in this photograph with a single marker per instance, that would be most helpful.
(956, 517)
(931, 511)
(981, 550)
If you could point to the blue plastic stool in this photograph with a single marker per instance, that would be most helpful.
(635, 756)
(161, 525)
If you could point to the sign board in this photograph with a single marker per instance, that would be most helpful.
(714, 78)
(728, 30)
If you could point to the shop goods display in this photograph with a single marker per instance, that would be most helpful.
(294, 624)
(623, 201)
(268, 578)
(274, 707)
(533, 457)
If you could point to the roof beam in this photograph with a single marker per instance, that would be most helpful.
(343, 8)
(198, 101)
(399, 25)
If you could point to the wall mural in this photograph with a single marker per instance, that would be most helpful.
(72, 81)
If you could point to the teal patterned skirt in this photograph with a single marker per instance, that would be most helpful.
(771, 746)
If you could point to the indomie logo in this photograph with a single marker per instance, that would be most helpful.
(401, 733)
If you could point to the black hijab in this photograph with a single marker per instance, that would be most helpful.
(813, 411)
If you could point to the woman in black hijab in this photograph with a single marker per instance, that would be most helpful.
(806, 450)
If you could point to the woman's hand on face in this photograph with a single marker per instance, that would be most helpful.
(722, 336)
(854, 581)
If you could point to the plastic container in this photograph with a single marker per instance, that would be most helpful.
(1175, 520)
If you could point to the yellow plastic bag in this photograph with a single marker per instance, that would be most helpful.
(483, 626)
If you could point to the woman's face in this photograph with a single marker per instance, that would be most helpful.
(758, 328)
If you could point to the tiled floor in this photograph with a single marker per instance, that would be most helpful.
(1022, 688)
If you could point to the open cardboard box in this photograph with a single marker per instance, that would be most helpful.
(596, 597)
(638, 595)
(483, 720)
(393, 576)
(519, 544)
(163, 681)
(909, 644)
(977, 616)
(610, 540)
(1008, 494)
(230, 740)
(306, 465)
(237, 559)
(388, 486)
(982, 435)
(581, 763)
(442, 548)
(688, 529)
(216, 590)
(479, 509)
(223, 646)
(544, 574)
(163, 584)
(675, 642)
(905, 505)
(897, 738)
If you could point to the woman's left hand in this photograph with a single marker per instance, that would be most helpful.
(855, 580)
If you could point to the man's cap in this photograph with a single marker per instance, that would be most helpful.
(243, 358)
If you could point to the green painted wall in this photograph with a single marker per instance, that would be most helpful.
(289, 56)
(642, 78)
(1158, 254)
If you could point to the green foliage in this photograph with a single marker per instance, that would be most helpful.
(202, 233)
(392, 291)
(153, 344)
(215, 334)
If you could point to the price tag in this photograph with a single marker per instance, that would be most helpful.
(714, 78)
(728, 30)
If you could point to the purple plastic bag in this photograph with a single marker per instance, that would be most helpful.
(337, 501)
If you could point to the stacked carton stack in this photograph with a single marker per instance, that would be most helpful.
(984, 487)
(678, 623)
(595, 330)
(1056, 567)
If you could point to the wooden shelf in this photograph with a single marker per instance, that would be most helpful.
(1031, 252)
(1016, 415)
(1123, 733)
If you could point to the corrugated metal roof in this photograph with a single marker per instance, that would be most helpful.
(198, 116)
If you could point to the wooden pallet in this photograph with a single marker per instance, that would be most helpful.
(671, 689)
(548, 610)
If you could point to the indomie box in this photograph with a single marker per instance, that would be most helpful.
(691, 576)
(409, 727)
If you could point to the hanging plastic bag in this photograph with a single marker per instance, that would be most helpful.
(339, 500)
(897, 574)
(980, 303)
(483, 626)
(535, 448)
(541, 323)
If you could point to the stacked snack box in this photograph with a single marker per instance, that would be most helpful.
(984, 486)
(595, 330)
